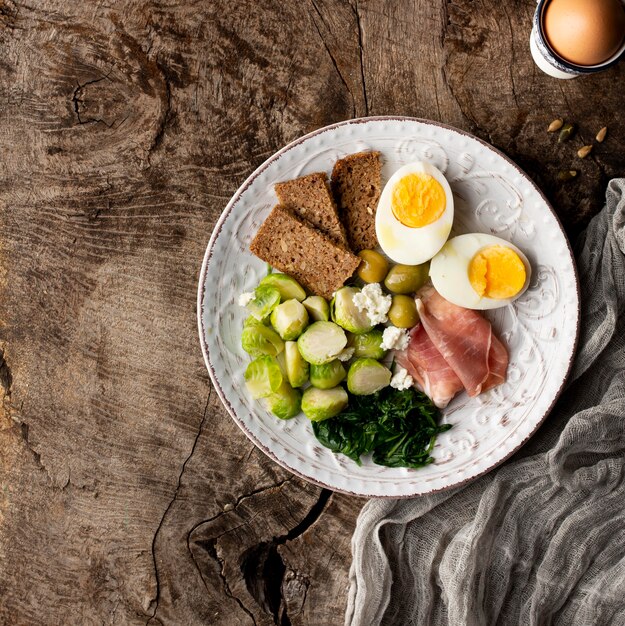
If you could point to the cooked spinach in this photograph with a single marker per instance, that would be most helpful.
(399, 427)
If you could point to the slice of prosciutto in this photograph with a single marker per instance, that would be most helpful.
(428, 368)
(465, 340)
(497, 364)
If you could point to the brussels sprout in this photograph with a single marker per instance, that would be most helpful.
(322, 404)
(367, 376)
(327, 375)
(263, 376)
(289, 319)
(296, 367)
(288, 287)
(318, 308)
(266, 299)
(345, 313)
(258, 339)
(281, 358)
(321, 342)
(250, 320)
(367, 345)
(285, 402)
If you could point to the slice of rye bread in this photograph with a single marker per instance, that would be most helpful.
(309, 198)
(294, 247)
(356, 185)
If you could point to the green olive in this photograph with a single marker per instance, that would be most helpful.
(373, 267)
(403, 312)
(406, 278)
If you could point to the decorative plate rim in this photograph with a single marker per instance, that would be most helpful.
(209, 253)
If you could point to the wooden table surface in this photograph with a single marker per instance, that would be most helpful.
(128, 494)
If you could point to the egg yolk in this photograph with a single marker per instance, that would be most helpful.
(418, 200)
(497, 272)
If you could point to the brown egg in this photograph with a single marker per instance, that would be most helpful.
(585, 32)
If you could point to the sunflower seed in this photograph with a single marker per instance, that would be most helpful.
(584, 151)
(601, 134)
(555, 125)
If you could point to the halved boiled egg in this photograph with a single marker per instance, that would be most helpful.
(415, 213)
(479, 271)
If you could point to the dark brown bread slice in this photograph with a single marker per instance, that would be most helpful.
(309, 198)
(356, 186)
(294, 247)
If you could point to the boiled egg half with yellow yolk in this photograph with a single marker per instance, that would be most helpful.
(415, 214)
(479, 271)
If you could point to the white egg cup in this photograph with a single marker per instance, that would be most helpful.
(554, 65)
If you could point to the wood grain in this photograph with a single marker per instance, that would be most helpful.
(128, 495)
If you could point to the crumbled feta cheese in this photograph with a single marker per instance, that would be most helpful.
(395, 339)
(345, 354)
(374, 302)
(246, 298)
(401, 379)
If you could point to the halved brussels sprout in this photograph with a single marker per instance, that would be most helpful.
(263, 376)
(345, 313)
(266, 299)
(367, 345)
(289, 319)
(250, 320)
(327, 375)
(258, 339)
(367, 376)
(282, 363)
(296, 367)
(322, 404)
(321, 342)
(288, 287)
(318, 308)
(285, 402)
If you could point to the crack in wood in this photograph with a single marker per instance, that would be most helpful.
(156, 599)
(264, 570)
(332, 58)
(240, 499)
(474, 126)
(8, 14)
(362, 62)
(287, 91)
(24, 432)
(473, 123)
(77, 102)
(249, 454)
(261, 565)
(512, 64)
(210, 547)
(6, 378)
(164, 117)
(6, 383)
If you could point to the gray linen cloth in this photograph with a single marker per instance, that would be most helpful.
(541, 540)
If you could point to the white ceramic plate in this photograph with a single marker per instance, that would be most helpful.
(491, 195)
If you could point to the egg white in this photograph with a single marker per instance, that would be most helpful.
(403, 244)
(449, 271)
